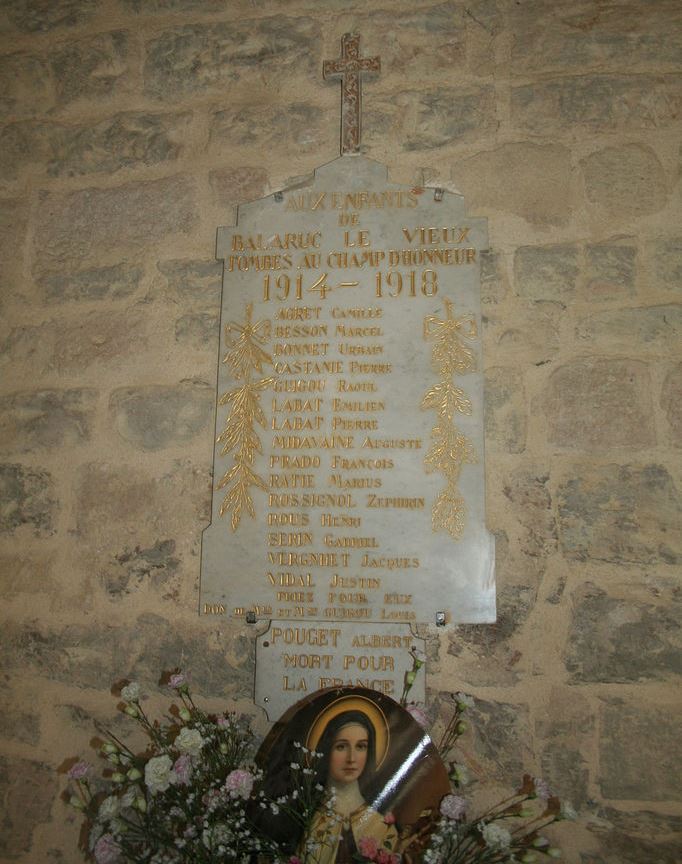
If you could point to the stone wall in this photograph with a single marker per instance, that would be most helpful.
(131, 129)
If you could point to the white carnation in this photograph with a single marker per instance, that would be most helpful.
(131, 692)
(109, 808)
(496, 837)
(157, 773)
(189, 741)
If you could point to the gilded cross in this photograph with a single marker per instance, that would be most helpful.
(349, 68)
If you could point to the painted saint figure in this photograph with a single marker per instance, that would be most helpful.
(351, 735)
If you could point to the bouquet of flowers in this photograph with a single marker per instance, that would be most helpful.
(195, 795)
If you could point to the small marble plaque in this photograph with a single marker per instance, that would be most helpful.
(294, 660)
(348, 469)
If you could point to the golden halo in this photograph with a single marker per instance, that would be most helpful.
(352, 703)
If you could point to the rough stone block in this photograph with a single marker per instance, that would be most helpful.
(27, 498)
(530, 180)
(26, 86)
(100, 338)
(671, 402)
(193, 281)
(94, 656)
(126, 140)
(27, 791)
(18, 725)
(622, 514)
(625, 181)
(182, 61)
(610, 270)
(73, 226)
(501, 733)
(613, 640)
(198, 330)
(668, 267)
(649, 771)
(493, 285)
(553, 35)
(96, 67)
(546, 272)
(99, 283)
(529, 336)
(46, 419)
(27, 573)
(505, 410)
(446, 115)
(605, 103)
(234, 185)
(633, 837)
(156, 565)
(298, 124)
(531, 501)
(13, 227)
(596, 403)
(645, 329)
(159, 416)
(39, 16)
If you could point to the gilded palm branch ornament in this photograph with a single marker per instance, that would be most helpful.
(450, 449)
(245, 356)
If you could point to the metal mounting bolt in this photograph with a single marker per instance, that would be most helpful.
(250, 617)
(440, 619)
(279, 196)
(438, 194)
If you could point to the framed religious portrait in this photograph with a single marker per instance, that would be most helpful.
(376, 774)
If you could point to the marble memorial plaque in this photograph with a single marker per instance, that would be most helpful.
(348, 470)
(294, 660)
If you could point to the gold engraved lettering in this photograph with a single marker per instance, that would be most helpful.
(299, 313)
(293, 685)
(344, 331)
(296, 424)
(336, 612)
(214, 609)
(357, 313)
(256, 242)
(307, 661)
(312, 442)
(381, 685)
(305, 349)
(354, 425)
(450, 449)
(375, 640)
(432, 236)
(399, 503)
(284, 461)
(309, 367)
(299, 331)
(290, 580)
(393, 443)
(344, 386)
(244, 355)
(357, 368)
(349, 349)
(398, 615)
(389, 563)
(292, 481)
(358, 405)
(342, 463)
(364, 662)
(399, 599)
(321, 636)
(288, 385)
(323, 499)
(350, 542)
(309, 559)
(327, 520)
(298, 538)
(361, 238)
(341, 482)
(288, 519)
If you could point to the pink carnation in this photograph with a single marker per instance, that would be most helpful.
(383, 857)
(79, 770)
(453, 807)
(106, 851)
(177, 680)
(389, 818)
(182, 768)
(239, 782)
(368, 848)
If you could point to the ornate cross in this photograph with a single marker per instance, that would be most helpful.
(349, 68)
